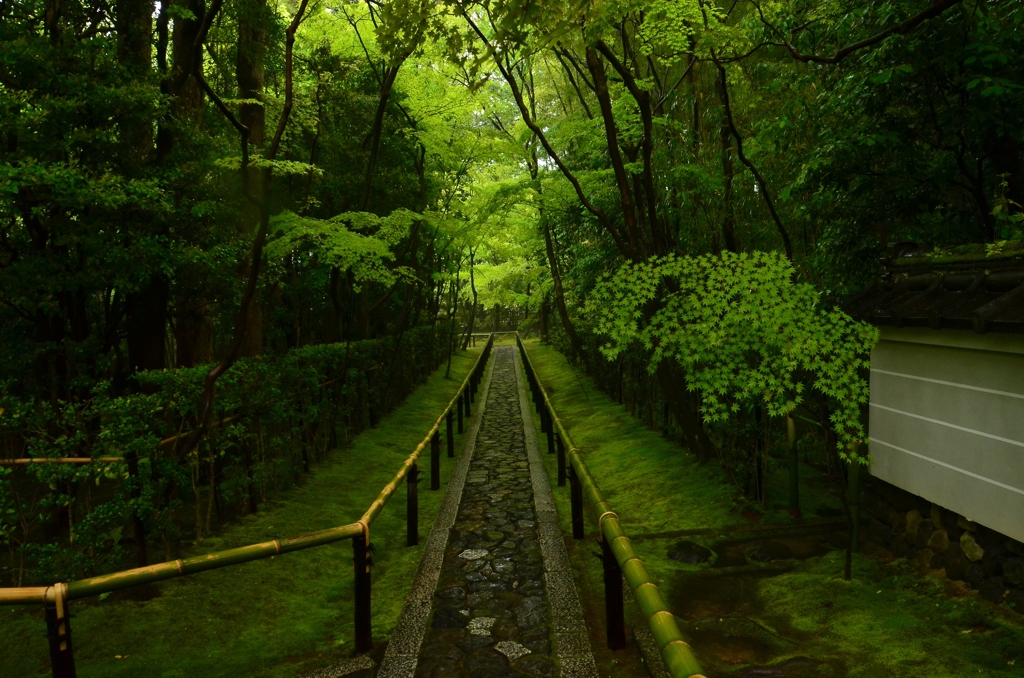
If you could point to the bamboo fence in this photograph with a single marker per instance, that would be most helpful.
(675, 651)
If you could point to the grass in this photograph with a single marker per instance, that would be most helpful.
(278, 617)
(890, 620)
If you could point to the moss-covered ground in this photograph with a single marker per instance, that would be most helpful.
(790, 617)
(283, 616)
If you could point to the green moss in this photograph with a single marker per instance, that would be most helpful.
(890, 620)
(282, 616)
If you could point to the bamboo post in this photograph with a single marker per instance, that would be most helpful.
(551, 432)
(794, 468)
(58, 631)
(412, 506)
(460, 410)
(450, 433)
(561, 461)
(364, 633)
(615, 620)
(576, 500)
(435, 461)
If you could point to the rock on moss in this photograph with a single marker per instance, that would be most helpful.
(1013, 572)
(956, 563)
(971, 549)
(938, 541)
(913, 521)
(690, 553)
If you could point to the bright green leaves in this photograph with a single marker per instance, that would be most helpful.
(669, 26)
(336, 243)
(743, 331)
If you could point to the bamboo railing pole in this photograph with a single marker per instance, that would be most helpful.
(60, 460)
(116, 581)
(677, 654)
(23, 595)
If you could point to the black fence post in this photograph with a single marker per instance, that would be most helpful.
(459, 408)
(614, 612)
(576, 499)
(364, 633)
(58, 631)
(551, 433)
(466, 401)
(412, 506)
(561, 461)
(435, 461)
(450, 433)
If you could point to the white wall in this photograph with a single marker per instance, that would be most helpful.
(947, 421)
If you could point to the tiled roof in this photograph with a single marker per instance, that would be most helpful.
(976, 288)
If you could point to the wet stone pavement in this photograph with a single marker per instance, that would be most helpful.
(490, 612)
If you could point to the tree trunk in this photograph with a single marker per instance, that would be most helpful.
(725, 136)
(472, 313)
(685, 406)
(145, 309)
(387, 80)
(186, 92)
(146, 324)
(454, 312)
(252, 37)
(193, 332)
(335, 329)
(563, 312)
(544, 320)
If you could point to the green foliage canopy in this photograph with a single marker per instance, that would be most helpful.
(743, 331)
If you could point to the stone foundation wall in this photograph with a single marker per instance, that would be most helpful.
(912, 527)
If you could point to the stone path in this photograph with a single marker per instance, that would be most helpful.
(490, 611)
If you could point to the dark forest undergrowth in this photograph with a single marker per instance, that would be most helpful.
(278, 617)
